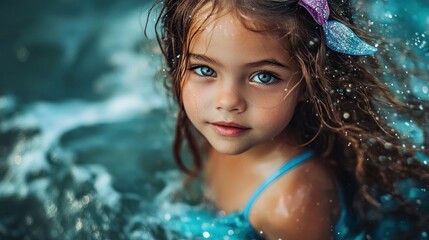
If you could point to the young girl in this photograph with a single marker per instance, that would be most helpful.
(283, 109)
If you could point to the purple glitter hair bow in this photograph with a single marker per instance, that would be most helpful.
(339, 37)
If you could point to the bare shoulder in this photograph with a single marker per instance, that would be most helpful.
(303, 204)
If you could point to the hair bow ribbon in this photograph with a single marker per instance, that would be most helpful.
(339, 37)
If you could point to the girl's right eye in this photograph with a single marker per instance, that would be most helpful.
(204, 71)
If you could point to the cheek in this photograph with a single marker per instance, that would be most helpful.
(189, 101)
(278, 118)
(193, 101)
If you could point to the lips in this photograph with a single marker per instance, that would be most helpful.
(229, 129)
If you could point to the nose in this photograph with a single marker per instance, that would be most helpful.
(229, 98)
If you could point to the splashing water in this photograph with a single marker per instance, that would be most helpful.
(83, 135)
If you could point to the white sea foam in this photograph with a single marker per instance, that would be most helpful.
(130, 95)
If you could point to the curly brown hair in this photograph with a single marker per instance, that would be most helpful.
(344, 119)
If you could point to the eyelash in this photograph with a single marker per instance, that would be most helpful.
(275, 76)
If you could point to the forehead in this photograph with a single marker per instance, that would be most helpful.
(222, 34)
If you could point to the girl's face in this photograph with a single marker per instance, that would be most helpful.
(241, 87)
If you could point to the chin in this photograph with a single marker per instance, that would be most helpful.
(229, 148)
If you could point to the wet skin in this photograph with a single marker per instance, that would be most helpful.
(247, 140)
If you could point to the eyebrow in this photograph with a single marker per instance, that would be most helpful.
(265, 62)
(203, 58)
(268, 62)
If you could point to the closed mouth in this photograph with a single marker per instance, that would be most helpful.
(229, 129)
(230, 124)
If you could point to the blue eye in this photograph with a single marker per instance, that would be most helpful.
(265, 78)
(204, 71)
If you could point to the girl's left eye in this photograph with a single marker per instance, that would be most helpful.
(265, 78)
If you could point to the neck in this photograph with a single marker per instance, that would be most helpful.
(275, 152)
(228, 174)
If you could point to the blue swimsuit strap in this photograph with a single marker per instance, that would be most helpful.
(297, 160)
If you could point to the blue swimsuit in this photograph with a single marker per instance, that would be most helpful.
(206, 224)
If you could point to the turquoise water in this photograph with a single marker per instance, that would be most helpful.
(85, 132)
